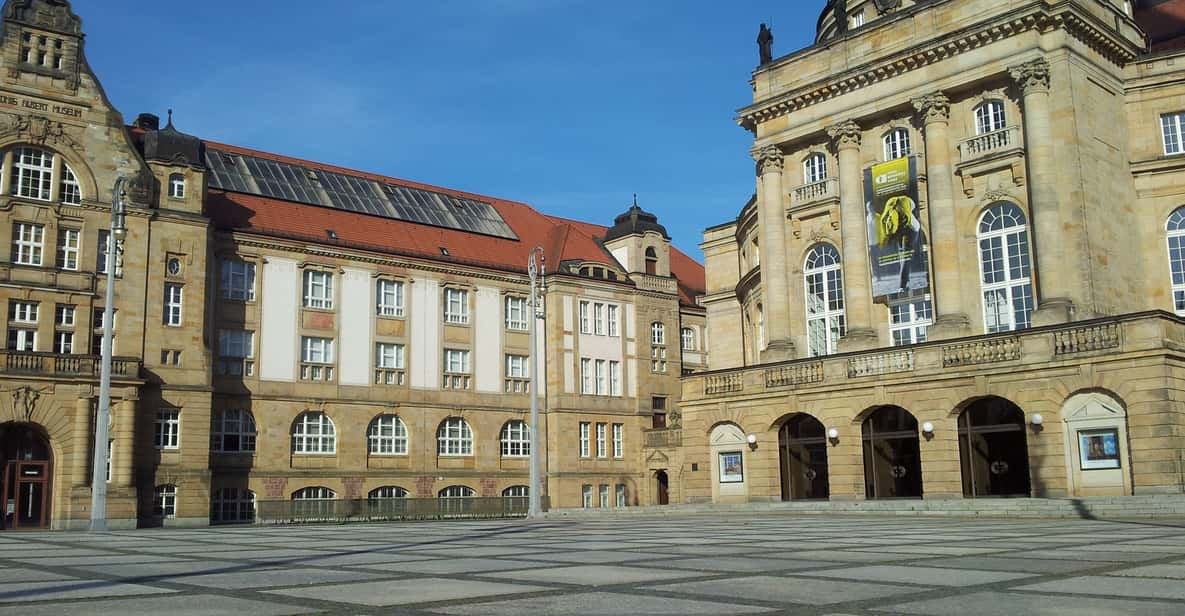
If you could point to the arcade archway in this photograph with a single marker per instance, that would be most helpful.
(802, 451)
(892, 455)
(993, 449)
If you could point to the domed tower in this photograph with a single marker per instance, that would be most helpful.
(639, 243)
(178, 162)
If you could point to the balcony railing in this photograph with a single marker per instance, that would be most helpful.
(988, 143)
(663, 437)
(815, 191)
(385, 509)
(657, 284)
(56, 365)
(1146, 332)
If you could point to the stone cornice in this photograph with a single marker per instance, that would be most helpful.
(1085, 28)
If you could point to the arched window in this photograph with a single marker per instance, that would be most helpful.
(825, 316)
(687, 337)
(32, 176)
(989, 117)
(1176, 237)
(232, 431)
(387, 436)
(1004, 263)
(658, 334)
(231, 505)
(651, 261)
(454, 438)
(760, 327)
(165, 501)
(177, 186)
(386, 492)
(316, 503)
(457, 492)
(71, 190)
(814, 168)
(896, 144)
(313, 433)
(517, 492)
(314, 493)
(516, 439)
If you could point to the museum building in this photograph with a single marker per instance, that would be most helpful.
(962, 274)
(291, 330)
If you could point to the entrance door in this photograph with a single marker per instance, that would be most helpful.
(892, 456)
(802, 447)
(993, 449)
(24, 453)
(664, 487)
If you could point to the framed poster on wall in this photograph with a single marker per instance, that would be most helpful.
(731, 467)
(1099, 449)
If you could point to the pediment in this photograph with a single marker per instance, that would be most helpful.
(1092, 407)
(657, 456)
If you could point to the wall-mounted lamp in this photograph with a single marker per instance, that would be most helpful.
(928, 428)
(1037, 422)
(833, 436)
(752, 439)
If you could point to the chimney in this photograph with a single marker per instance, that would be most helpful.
(147, 121)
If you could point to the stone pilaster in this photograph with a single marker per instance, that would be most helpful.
(772, 225)
(1053, 289)
(952, 321)
(854, 228)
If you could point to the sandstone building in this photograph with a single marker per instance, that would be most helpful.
(287, 329)
(1009, 322)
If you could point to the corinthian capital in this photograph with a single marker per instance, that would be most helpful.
(1031, 76)
(845, 135)
(770, 159)
(933, 107)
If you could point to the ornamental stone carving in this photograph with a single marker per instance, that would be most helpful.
(769, 159)
(38, 130)
(933, 107)
(1031, 76)
(845, 135)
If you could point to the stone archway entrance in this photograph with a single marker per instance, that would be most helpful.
(802, 452)
(892, 455)
(28, 465)
(993, 449)
(662, 485)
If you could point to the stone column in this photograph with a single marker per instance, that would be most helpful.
(952, 321)
(124, 473)
(83, 433)
(772, 225)
(6, 178)
(854, 228)
(1053, 288)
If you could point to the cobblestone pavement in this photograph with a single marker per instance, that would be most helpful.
(684, 566)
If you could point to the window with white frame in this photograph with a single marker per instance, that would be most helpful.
(71, 190)
(909, 321)
(314, 494)
(318, 289)
(316, 358)
(603, 493)
(825, 315)
(97, 313)
(387, 436)
(1172, 126)
(516, 439)
(390, 298)
(618, 441)
(658, 334)
(457, 492)
(516, 313)
(236, 353)
(602, 443)
(1006, 269)
(896, 144)
(389, 363)
(989, 117)
(456, 306)
(232, 505)
(69, 243)
(387, 493)
(313, 433)
(173, 306)
(22, 339)
(28, 244)
(585, 318)
(232, 431)
(611, 321)
(456, 361)
(23, 312)
(63, 343)
(516, 366)
(454, 437)
(168, 429)
(614, 378)
(814, 168)
(164, 503)
(517, 492)
(621, 499)
(32, 173)
(857, 18)
(65, 315)
(601, 377)
(586, 376)
(599, 319)
(687, 337)
(586, 497)
(238, 280)
(177, 186)
(1176, 237)
(585, 437)
(101, 254)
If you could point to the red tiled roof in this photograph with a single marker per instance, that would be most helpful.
(564, 240)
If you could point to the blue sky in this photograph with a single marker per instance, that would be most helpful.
(569, 105)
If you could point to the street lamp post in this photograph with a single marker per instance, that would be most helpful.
(536, 268)
(103, 417)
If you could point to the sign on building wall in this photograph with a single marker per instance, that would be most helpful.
(896, 242)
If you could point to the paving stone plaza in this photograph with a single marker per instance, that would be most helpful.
(710, 564)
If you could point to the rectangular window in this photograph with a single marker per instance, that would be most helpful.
(909, 321)
(599, 319)
(317, 350)
(168, 429)
(585, 319)
(516, 366)
(603, 492)
(23, 312)
(614, 378)
(24, 340)
(28, 244)
(611, 320)
(101, 254)
(456, 306)
(858, 19)
(688, 339)
(601, 381)
(1172, 126)
(63, 343)
(69, 241)
(584, 439)
(236, 350)
(586, 376)
(97, 329)
(65, 315)
(586, 495)
(516, 313)
(602, 452)
(173, 305)
(390, 298)
(238, 280)
(456, 361)
(618, 441)
(318, 290)
(389, 356)
(621, 502)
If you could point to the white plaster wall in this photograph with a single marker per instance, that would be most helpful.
(569, 319)
(622, 254)
(355, 349)
(630, 318)
(424, 325)
(571, 367)
(278, 326)
(488, 349)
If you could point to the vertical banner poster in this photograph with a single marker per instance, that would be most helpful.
(896, 242)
